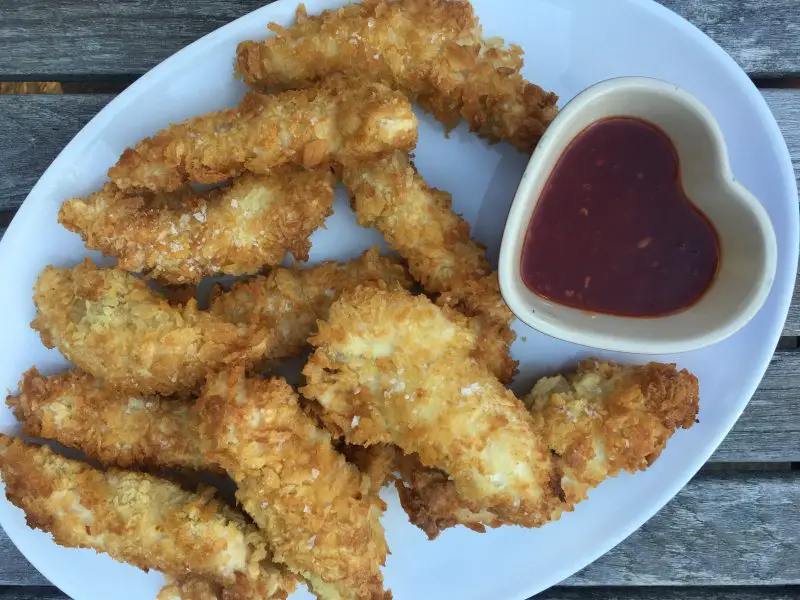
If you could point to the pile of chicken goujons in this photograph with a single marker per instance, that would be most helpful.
(407, 358)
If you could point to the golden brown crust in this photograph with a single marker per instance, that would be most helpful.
(491, 319)
(183, 237)
(343, 120)
(601, 419)
(193, 587)
(432, 50)
(392, 368)
(134, 517)
(319, 517)
(80, 411)
(606, 418)
(432, 503)
(113, 326)
(375, 462)
(286, 303)
(419, 222)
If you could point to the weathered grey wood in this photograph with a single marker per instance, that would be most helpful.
(722, 529)
(556, 593)
(762, 35)
(109, 37)
(662, 593)
(35, 593)
(769, 428)
(14, 568)
(33, 130)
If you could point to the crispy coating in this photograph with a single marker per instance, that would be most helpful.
(392, 368)
(490, 318)
(137, 518)
(320, 519)
(82, 412)
(600, 420)
(112, 325)
(193, 587)
(419, 222)
(285, 304)
(606, 418)
(376, 462)
(182, 237)
(431, 500)
(432, 50)
(344, 120)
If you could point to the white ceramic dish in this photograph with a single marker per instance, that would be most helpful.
(747, 239)
(570, 44)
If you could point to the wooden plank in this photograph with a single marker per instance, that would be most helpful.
(107, 37)
(763, 36)
(769, 428)
(664, 593)
(722, 529)
(35, 128)
(556, 593)
(33, 593)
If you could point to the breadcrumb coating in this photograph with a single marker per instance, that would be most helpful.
(606, 418)
(432, 50)
(193, 587)
(182, 237)
(419, 222)
(600, 420)
(137, 518)
(392, 368)
(320, 519)
(113, 326)
(343, 119)
(286, 303)
(79, 411)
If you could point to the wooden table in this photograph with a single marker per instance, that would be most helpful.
(733, 532)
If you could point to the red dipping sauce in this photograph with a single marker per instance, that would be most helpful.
(613, 231)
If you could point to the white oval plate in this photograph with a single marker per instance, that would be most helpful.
(569, 45)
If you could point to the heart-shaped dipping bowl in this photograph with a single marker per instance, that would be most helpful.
(748, 250)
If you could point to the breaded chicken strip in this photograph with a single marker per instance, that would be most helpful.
(286, 303)
(112, 325)
(432, 50)
(320, 519)
(419, 222)
(137, 518)
(392, 368)
(114, 428)
(182, 237)
(600, 420)
(344, 120)
(606, 418)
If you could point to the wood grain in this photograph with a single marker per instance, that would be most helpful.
(763, 36)
(662, 593)
(555, 593)
(722, 529)
(34, 129)
(43, 39)
(769, 428)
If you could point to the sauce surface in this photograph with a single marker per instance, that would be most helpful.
(613, 231)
